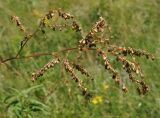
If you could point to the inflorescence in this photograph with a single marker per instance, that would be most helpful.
(95, 40)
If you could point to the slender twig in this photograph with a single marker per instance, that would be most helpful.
(42, 54)
(38, 55)
(26, 40)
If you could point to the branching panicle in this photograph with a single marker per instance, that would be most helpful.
(95, 40)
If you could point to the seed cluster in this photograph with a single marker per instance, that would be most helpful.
(18, 23)
(64, 15)
(52, 14)
(70, 70)
(130, 66)
(109, 67)
(81, 69)
(93, 37)
(96, 40)
(89, 40)
(130, 51)
(142, 87)
(40, 72)
(75, 26)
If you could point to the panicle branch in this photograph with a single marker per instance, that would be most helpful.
(46, 67)
(70, 70)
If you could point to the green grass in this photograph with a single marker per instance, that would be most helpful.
(135, 23)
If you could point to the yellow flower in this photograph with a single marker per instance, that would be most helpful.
(97, 100)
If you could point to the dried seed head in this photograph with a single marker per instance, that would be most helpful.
(129, 66)
(40, 72)
(130, 51)
(81, 69)
(100, 25)
(109, 67)
(89, 41)
(143, 89)
(64, 15)
(70, 70)
(94, 38)
(18, 23)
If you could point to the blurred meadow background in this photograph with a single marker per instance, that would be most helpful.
(134, 23)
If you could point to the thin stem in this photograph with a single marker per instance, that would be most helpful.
(43, 54)
(27, 39)
(38, 55)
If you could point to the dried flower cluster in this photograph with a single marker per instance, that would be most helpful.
(96, 41)
(50, 20)
(81, 69)
(40, 72)
(92, 38)
(18, 23)
(109, 67)
(70, 70)
(130, 51)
